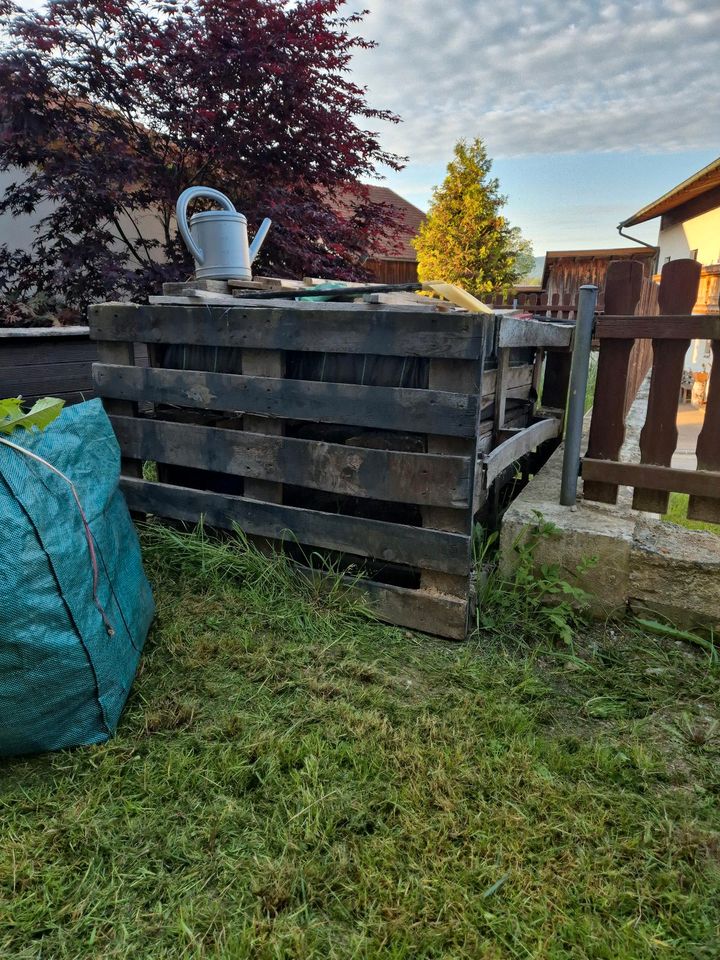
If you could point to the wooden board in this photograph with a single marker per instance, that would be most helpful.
(352, 471)
(266, 363)
(501, 386)
(122, 353)
(445, 374)
(533, 333)
(424, 610)
(683, 326)
(658, 439)
(661, 479)
(517, 445)
(387, 408)
(708, 445)
(339, 329)
(392, 542)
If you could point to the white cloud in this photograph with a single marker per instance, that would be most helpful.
(545, 77)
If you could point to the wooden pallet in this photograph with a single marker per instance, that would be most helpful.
(370, 431)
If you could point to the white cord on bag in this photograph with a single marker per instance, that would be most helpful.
(88, 534)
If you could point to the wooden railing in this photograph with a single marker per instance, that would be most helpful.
(539, 304)
(670, 332)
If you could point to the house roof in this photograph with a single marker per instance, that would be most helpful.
(609, 253)
(409, 217)
(706, 179)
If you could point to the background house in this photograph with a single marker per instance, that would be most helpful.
(565, 271)
(690, 227)
(401, 265)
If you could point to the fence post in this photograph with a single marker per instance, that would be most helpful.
(587, 301)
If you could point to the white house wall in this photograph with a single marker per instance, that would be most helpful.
(17, 232)
(700, 233)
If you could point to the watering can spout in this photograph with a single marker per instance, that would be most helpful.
(259, 238)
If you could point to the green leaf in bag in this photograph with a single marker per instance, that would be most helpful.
(40, 414)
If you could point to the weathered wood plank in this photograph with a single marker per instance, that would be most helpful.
(468, 376)
(354, 471)
(702, 483)
(658, 439)
(501, 385)
(122, 353)
(426, 611)
(682, 326)
(519, 375)
(533, 333)
(341, 329)
(623, 286)
(708, 445)
(516, 446)
(387, 408)
(266, 363)
(392, 542)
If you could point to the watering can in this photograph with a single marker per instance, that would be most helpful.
(218, 239)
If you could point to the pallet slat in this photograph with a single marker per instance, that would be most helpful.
(425, 610)
(293, 327)
(515, 447)
(387, 408)
(351, 471)
(533, 333)
(392, 542)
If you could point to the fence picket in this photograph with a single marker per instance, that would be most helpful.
(708, 446)
(677, 295)
(607, 428)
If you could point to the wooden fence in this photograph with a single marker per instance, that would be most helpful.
(296, 422)
(628, 290)
(538, 304)
(670, 333)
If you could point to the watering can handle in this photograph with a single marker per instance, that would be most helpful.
(181, 213)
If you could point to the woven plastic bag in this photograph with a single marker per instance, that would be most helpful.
(75, 605)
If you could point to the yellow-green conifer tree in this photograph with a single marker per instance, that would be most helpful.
(465, 239)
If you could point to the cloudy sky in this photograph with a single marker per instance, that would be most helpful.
(591, 109)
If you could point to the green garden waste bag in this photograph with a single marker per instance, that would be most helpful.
(75, 605)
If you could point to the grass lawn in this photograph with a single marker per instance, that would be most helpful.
(677, 513)
(291, 780)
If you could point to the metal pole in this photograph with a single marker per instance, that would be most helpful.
(582, 345)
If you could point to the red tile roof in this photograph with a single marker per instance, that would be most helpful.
(409, 216)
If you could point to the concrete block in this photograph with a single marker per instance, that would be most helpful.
(676, 572)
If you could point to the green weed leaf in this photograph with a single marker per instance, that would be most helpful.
(42, 413)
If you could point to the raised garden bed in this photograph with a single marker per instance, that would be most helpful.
(47, 361)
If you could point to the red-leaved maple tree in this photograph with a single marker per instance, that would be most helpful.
(110, 108)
